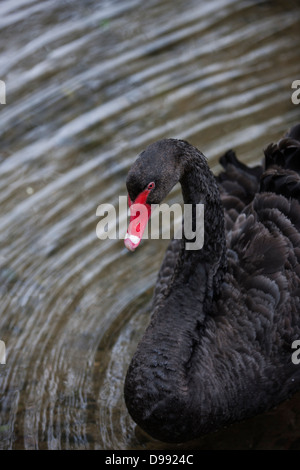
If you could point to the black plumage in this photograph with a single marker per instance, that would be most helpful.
(219, 344)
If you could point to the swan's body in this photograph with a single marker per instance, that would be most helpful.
(219, 344)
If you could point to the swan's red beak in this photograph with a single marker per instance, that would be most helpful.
(140, 213)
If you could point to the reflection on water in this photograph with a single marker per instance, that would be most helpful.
(88, 86)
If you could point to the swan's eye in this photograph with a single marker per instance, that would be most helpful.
(151, 185)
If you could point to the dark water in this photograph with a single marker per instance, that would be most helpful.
(88, 86)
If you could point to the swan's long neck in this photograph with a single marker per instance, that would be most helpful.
(208, 264)
(159, 384)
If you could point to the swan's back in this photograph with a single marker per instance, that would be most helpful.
(278, 174)
(261, 292)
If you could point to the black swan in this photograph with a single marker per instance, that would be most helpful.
(218, 348)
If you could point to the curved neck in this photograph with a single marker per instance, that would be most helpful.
(208, 264)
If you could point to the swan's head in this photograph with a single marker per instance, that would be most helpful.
(151, 177)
